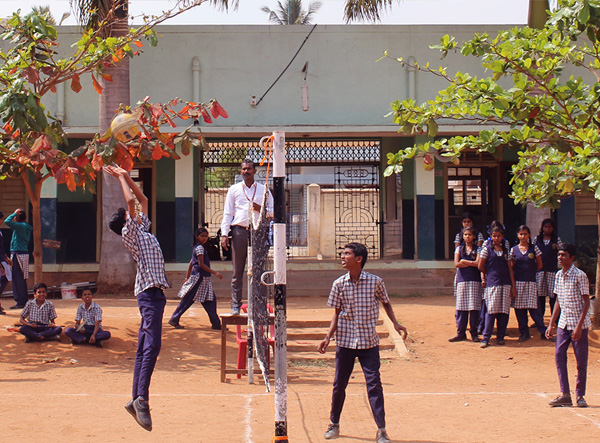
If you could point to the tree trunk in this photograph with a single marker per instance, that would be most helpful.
(35, 194)
(117, 269)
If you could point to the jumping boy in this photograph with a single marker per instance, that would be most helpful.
(150, 283)
(355, 297)
(38, 317)
(572, 290)
(90, 331)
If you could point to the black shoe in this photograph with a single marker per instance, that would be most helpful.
(561, 400)
(333, 431)
(129, 408)
(457, 338)
(99, 344)
(217, 328)
(581, 403)
(176, 324)
(54, 338)
(524, 338)
(500, 341)
(235, 311)
(2, 311)
(28, 340)
(484, 344)
(16, 307)
(142, 413)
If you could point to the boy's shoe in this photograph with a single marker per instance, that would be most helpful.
(129, 408)
(235, 311)
(28, 340)
(475, 338)
(457, 338)
(17, 307)
(501, 341)
(562, 400)
(99, 344)
(176, 324)
(54, 338)
(524, 338)
(217, 327)
(581, 403)
(142, 413)
(333, 431)
(484, 344)
(382, 436)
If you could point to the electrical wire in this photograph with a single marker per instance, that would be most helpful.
(285, 69)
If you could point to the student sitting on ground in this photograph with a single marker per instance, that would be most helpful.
(88, 323)
(38, 317)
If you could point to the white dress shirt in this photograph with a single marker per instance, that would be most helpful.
(238, 204)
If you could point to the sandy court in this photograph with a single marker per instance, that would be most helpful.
(441, 392)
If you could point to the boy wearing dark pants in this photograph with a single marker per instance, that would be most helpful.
(572, 288)
(355, 297)
(150, 281)
(88, 323)
(38, 317)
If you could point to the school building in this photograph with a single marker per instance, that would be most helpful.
(332, 103)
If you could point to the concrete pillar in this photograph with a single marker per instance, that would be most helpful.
(314, 219)
(184, 207)
(534, 218)
(424, 210)
(48, 217)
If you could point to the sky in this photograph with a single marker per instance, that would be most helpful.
(331, 12)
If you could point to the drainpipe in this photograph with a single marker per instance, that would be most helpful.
(196, 79)
(60, 102)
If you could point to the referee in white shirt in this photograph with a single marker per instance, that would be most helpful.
(242, 199)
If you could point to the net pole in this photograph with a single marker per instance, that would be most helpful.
(279, 268)
(250, 336)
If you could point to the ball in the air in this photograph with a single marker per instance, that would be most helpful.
(124, 127)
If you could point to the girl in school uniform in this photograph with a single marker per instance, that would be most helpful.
(468, 288)
(197, 285)
(548, 242)
(467, 222)
(526, 260)
(499, 284)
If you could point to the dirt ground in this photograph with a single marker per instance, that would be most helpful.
(441, 392)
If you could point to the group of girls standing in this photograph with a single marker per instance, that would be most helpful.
(492, 277)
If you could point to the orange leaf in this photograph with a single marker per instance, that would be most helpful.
(138, 43)
(107, 77)
(82, 161)
(71, 184)
(97, 86)
(40, 143)
(76, 84)
(7, 127)
(157, 152)
(12, 71)
(16, 134)
(97, 162)
(53, 88)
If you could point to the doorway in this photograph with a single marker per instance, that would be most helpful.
(470, 189)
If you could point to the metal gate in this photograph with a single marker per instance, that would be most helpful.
(356, 196)
(357, 207)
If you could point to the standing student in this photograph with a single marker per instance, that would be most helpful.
(468, 290)
(355, 297)
(499, 286)
(197, 285)
(467, 222)
(549, 243)
(150, 283)
(4, 260)
(242, 206)
(483, 311)
(19, 247)
(572, 312)
(526, 260)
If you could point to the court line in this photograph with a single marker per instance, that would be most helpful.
(248, 419)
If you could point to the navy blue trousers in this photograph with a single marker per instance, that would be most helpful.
(489, 325)
(188, 300)
(151, 304)
(18, 283)
(41, 332)
(84, 336)
(523, 321)
(564, 337)
(344, 364)
(462, 318)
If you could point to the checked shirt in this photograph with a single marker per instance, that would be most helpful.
(569, 288)
(146, 252)
(39, 314)
(89, 316)
(359, 309)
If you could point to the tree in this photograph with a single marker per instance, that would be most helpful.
(536, 101)
(33, 145)
(116, 264)
(291, 13)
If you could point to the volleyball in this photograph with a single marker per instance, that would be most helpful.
(125, 127)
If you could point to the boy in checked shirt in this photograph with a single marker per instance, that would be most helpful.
(38, 317)
(355, 297)
(88, 323)
(572, 289)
